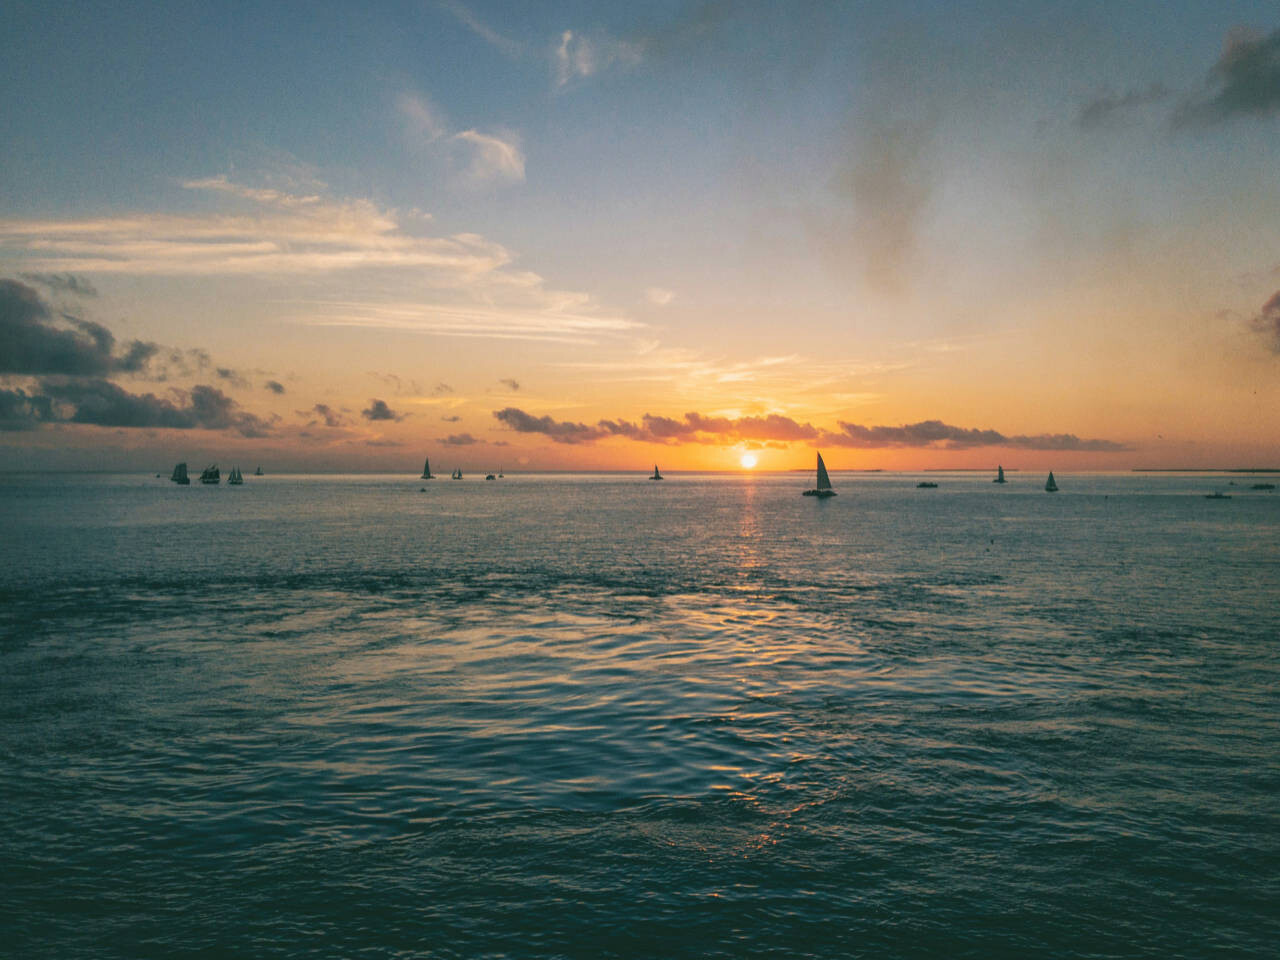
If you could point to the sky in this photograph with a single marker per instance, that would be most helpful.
(553, 235)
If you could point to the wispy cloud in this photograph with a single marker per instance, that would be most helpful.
(274, 386)
(467, 17)
(582, 55)
(659, 296)
(510, 384)
(480, 159)
(63, 283)
(1106, 109)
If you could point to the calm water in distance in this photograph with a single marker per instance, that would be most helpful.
(597, 716)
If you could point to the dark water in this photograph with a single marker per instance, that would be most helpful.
(598, 717)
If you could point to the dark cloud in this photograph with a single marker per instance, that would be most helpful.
(36, 340)
(1108, 108)
(459, 440)
(453, 419)
(102, 403)
(559, 431)
(1244, 82)
(397, 384)
(694, 428)
(330, 416)
(510, 384)
(21, 411)
(63, 283)
(231, 376)
(776, 430)
(1267, 322)
(935, 433)
(378, 410)
(441, 388)
(275, 386)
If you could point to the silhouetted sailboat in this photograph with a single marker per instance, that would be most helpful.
(210, 474)
(258, 472)
(1049, 485)
(656, 474)
(426, 469)
(180, 475)
(823, 489)
(999, 476)
(236, 476)
(456, 475)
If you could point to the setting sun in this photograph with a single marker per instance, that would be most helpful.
(748, 461)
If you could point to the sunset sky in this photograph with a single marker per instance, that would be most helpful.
(320, 236)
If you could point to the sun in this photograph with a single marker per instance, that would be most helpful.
(748, 461)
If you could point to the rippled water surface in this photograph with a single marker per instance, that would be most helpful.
(577, 716)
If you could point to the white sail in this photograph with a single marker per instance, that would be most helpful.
(824, 482)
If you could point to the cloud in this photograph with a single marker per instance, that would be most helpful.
(36, 340)
(559, 431)
(275, 386)
(659, 296)
(1267, 322)
(378, 410)
(459, 440)
(493, 158)
(63, 283)
(231, 376)
(935, 433)
(694, 428)
(1244, 82)
(101, 403)
(328, 414)
(22, 411)
(453, 419)
(440, 389)
(512, 385)
(579, 55)
(1106, 108)
(462, 285)
(481, 158)
(468, 19)
(777, 430)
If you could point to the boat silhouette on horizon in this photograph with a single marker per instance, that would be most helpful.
(823, 489)
(1000, 475)
(426, 469)
(180, 475)
(656, 474)
(1050, 486)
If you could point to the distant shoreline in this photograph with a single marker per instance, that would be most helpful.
(1206, 470)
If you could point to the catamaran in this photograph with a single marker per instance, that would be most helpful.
(1049, 485)
(823, 489)
(426, 469)
(210, 474)
(656, 474)
(999, 475)
(180, 475)
(236, 476)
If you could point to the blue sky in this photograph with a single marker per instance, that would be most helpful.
(1040, 219)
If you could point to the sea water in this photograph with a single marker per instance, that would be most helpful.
(598, 716)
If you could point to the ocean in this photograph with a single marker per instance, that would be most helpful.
(563, 716)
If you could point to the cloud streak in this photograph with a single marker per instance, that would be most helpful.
(1267, 322)
(777, 429)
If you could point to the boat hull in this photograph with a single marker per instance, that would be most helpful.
(819, 493)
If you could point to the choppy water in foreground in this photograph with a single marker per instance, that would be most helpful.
(596, 716)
